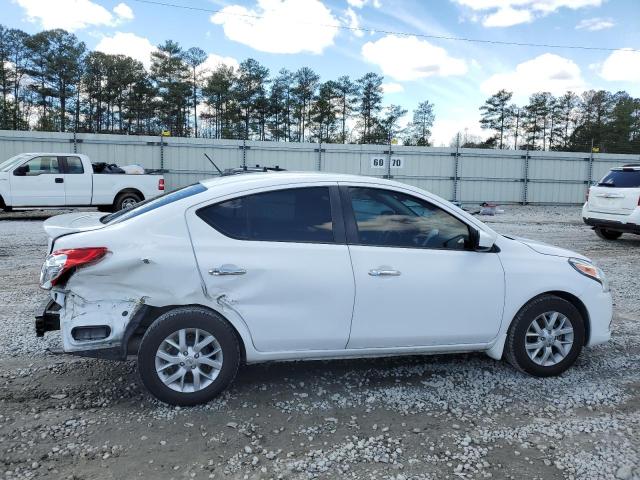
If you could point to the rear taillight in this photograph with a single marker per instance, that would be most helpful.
(161, 184)
(58, 263)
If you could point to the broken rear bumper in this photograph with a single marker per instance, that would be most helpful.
(99, 329)
(49, 320)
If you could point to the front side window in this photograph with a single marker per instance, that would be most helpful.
(74, 165)
(42, 165)
(386, 218)
(292, 215)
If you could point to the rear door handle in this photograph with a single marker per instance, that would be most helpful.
(59, 180)
(227, 270)
(384, 272)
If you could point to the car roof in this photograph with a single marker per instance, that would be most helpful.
(265, 179)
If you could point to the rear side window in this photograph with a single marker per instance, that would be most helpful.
(621, 179)
(291, 215)
(74, 165)
(152, 204)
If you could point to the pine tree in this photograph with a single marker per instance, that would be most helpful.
(496, 114)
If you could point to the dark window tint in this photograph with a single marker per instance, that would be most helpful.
(293, 215)
(621, 179)
(74, 165)
(393, 219)
(152, 204)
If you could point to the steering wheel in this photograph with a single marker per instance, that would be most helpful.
(423, 240)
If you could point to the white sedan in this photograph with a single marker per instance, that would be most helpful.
(281, 266)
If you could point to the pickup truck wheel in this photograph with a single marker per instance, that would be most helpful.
(126, 200)
(188, 356)
(605, 234)
(546, 337)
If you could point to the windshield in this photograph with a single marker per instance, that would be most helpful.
(626, 178)
(153, 203)
(13, 161)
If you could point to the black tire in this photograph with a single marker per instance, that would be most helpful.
(125, 198)
(515, 351)
(172, 321)
(605, 234)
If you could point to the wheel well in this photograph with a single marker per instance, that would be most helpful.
(2, 204)
(576, 302)
(152, 313)
(129, 190)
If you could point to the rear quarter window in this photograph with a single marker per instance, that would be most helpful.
(621, 179)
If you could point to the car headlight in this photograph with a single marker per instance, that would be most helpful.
(590, 270)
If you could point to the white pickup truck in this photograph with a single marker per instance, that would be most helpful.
(69, 180)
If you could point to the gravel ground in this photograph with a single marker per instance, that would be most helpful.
(456, 416)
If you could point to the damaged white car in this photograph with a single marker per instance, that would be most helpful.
(283, 266)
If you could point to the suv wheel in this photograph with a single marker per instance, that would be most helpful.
(188, 356)
(546, 337)
(608, 234)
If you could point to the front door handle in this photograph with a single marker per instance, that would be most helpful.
(59, 180)
(384, 272)
(227, 270)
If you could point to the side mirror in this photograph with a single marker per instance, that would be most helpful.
(484, 241)
(21, 171)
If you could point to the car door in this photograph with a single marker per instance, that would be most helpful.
(280, 260)
(77, 182)
(417, 281)
(38, 182)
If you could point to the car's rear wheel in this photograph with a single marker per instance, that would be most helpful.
(546, 336)
(126, 200)
(188, 356)
(607, 234)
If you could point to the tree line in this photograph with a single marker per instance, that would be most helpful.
(50, 81)
(597, 119)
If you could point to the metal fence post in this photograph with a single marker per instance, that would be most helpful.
(244, 152)
(590, 172)
(319, 160)
(525, 179)
(75, 142)
(161, 152)
(456, 169)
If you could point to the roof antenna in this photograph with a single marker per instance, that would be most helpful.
(213, 163)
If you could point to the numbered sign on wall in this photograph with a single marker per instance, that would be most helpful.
(381, 162)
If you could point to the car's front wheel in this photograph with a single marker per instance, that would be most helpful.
(188, 356)
(546, 336)
(607, 234)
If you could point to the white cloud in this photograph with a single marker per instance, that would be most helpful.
(409, 58)
(362, 3)
(622, 66)
(445, 129)
(392, 87)
(545, 73)
(73, 14)
(280, 26)
(353, 22)
(507, 17)
(213, 61)
(129, 44)
(123, 11)
(595, 24)
(506, 13)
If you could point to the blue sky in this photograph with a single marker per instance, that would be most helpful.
(456, 76)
